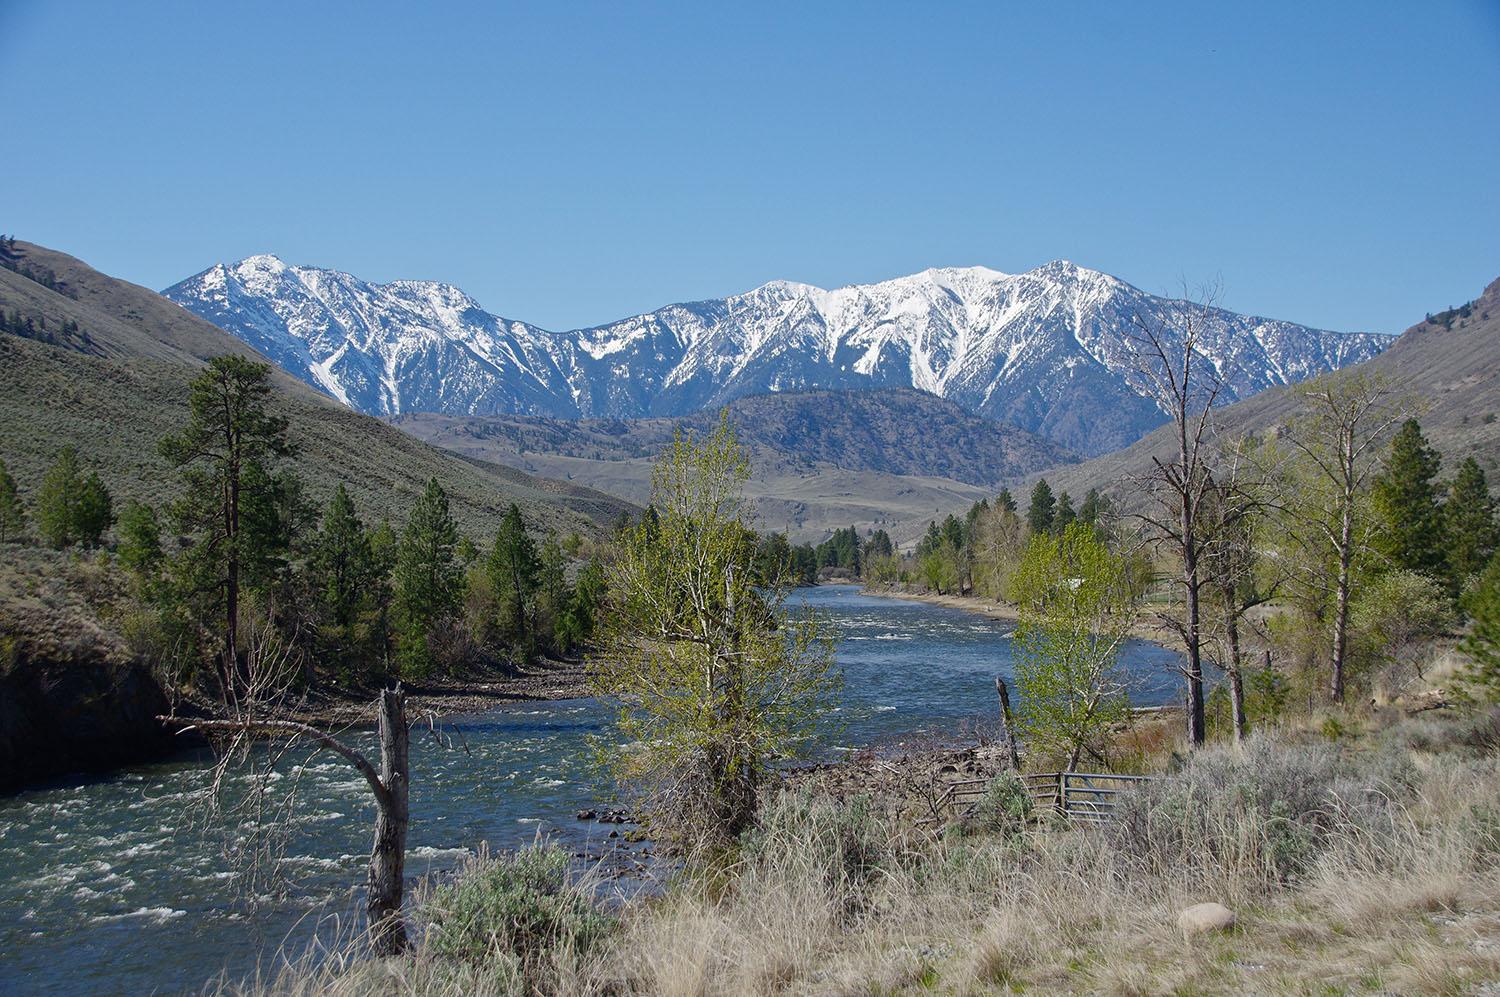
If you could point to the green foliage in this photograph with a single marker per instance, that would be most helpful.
(576, 623)
(713, 676)
(93, 512)
(1473, 535)
(1006, 807)
(1405, 498)
(1064, 513)
(522, 905)
(1043, 508)
(1263, 813)
(514, 570)
(12, 512)
(139, 548)
(428, 579)
(236, 516)
(56, 504)
(1075, 612)
(351, 589)
(1482, 642)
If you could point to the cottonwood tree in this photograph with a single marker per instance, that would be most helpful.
(1075, 613)
(1346, 417)
(1169, 360)
(714, 676)
(230, 513)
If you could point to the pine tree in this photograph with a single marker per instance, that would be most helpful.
(514, 569)
(1040, 513)
(1482, 642)
(1406, 499)
(1005, 501)
(93, 512)
(56, 514)
(350, 583)
(428, 581)
(237, 529)
(1469, 522)
(140, 540)
(1064, 514)
(12, 512)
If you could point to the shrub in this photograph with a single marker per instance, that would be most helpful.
(519, 906)
(849, 843)
(1257, 818)
(1006, 806)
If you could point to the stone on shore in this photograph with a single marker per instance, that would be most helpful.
(1201, 918)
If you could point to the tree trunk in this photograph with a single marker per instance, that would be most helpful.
(1010, 724)
(388, 854)
(1196, 727)
(1237, 680)
(1341, 610)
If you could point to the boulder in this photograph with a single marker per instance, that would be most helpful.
(1201, 918)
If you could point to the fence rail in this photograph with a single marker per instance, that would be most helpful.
(1088, 797)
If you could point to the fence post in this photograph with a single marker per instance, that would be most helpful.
(1010, 724)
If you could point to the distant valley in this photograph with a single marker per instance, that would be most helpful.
(890, 458)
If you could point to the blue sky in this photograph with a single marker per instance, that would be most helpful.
(569, 164)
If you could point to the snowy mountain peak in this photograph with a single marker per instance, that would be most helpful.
(1041, 350)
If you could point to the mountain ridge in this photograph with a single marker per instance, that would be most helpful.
(1042, 350)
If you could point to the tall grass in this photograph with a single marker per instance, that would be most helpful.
(1379, 871)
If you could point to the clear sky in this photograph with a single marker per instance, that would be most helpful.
(1333, 163)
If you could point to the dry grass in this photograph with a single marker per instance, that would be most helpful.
(833, 900)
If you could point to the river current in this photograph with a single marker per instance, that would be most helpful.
(126, 884)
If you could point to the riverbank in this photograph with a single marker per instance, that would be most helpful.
(1143, 627)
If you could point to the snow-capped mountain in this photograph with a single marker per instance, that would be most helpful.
(1046, 350)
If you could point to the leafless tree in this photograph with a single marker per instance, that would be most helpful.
(1166, 354)
(256, 713)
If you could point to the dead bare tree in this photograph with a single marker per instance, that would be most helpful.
(1166, 354)
(256, 712)
(1236, 503)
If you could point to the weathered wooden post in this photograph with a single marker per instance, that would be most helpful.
(1010, 724)
(388, 853)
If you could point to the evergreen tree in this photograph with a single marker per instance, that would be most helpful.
(1064, 514)
(140, 540)
(428, 580)
(514, 569)
(12, 512)
(578, 619)
(1406, 499)
(1005, 501)
(93, 512)
(223, 455)
(1095, 507)
(56, 512)
(350, 586)
(879, 545)
(1469, 522)
(1482, 642)
(1040, 513)
(552, 593)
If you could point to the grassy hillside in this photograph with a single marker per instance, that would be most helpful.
(119, 384)
(1450, 360)
(821, 460)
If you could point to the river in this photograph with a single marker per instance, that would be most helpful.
(122, 885)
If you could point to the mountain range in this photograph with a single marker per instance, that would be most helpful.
(1047, 351)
